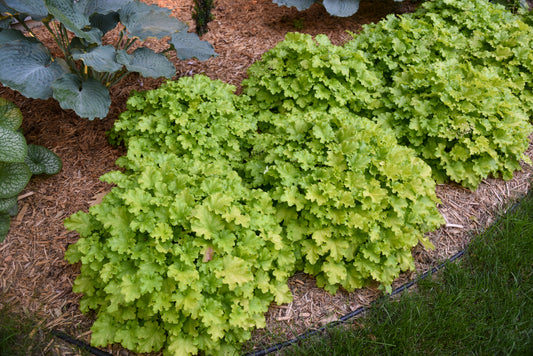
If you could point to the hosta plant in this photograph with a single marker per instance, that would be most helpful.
(18, 162)
(352, 200)
(341, 8)
(81, 78)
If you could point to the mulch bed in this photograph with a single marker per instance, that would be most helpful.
(34, 277)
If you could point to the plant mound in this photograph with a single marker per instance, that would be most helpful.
(352, 200)
(181, 254)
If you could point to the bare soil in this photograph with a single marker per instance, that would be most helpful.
(34, 277)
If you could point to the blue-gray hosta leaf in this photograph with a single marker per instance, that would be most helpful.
(105, 23)
(147, 63)
(9, 35)
(143, 21)
(14, 176)
(88, 98)
(34, 8)
(29, 68)
(72, 14)
(188, 45)
(101, 58)
(298, 4)
(105, 6)
(341, 8)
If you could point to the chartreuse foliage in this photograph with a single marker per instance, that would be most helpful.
(453, 81)
(212, 214)
(457, 87)
(352, 200)
(302, 73)
(181, 254)
(82, 78)
(18, 162)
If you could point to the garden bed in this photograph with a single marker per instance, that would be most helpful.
(35, 278)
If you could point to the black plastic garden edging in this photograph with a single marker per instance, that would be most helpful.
(97, 352)
(354, 313)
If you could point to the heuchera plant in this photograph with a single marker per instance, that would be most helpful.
(458, 86)
(181, 254)
(353, 201)
(81, 78)
(18, 162)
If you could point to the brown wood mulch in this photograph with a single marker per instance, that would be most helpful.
(34, 277)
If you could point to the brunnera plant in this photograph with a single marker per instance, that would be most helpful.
(18, 162)
(81, 79)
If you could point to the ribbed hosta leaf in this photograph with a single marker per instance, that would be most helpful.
(341, 8)
(88, 98)
(299, 4)
(10, 35)
(73, 15)
(14, 176)
(143, 21)
(35, 8)
(12, 146)
(29, 68)
(101, 58)
(10, 115)
(188, 45)
(147, 62)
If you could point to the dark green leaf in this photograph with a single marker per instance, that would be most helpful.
(12, 146)
(29, 68)
(6, 204)
(41, 160)
(147, 62)
(188, 45)
(88, 98)
(14, 176)
(5, 221)
(143, 21)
